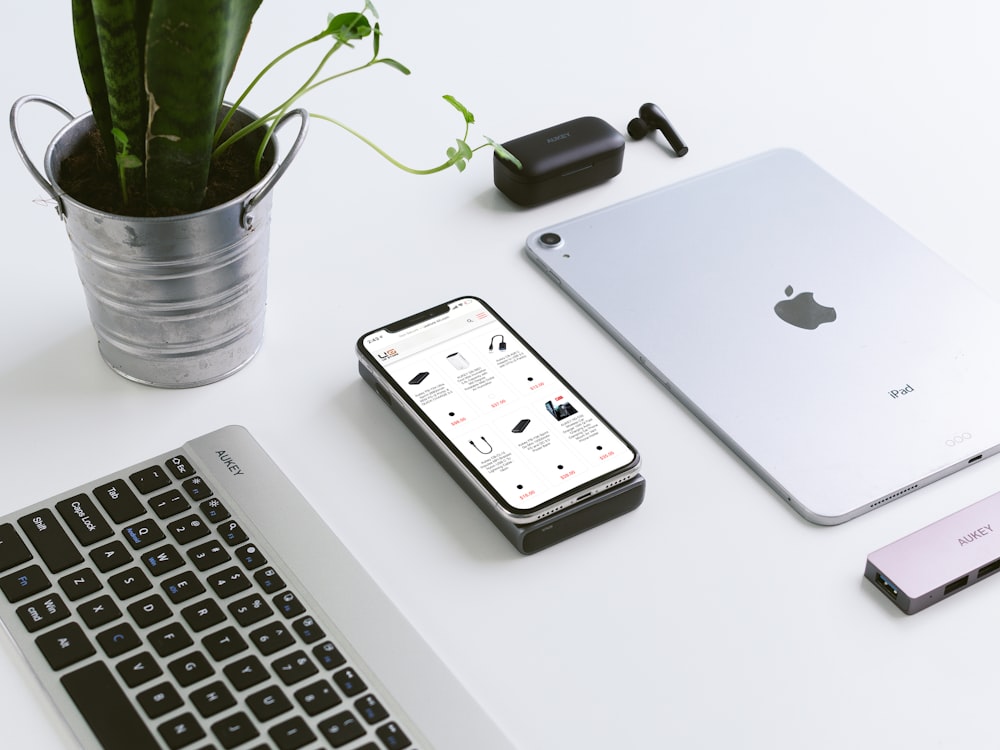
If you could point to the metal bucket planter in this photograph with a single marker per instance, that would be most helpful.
(176, 301)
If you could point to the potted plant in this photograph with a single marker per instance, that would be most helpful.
(166, 189)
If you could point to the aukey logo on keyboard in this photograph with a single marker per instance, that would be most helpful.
(229, 463)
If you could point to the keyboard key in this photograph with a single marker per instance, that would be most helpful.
(110, 556)
(160, 700)
(288, 604)
(170, 639)
(43, 612)
(118, 639)
(139, 669)
(150, 480)
(107, 710)
(329, 656)
(84, 520)
(191, 668)
(129, 583)
(24, 583)
(224, 643)
(232, 533)
(294, 667)
(246, 672)
(65, 645)
(317, 697)
(203, 615)
(208, 555)
(392, 736)
(188, 529)
(271, 638)
(179, 467)
(235, 730)
(13, 550)
(291, 734)
(196, 488)
(214, 510)
(307, 628)
(268, 703)
(99, 611)
(118, 501)
(269, 580)
(212, 699)
(342, 728)
(169, 504)
(82, 583)
(143, 533)
(349, 682)
(229, 582)
(181, 731)
(50, 540)
(251, 557)
(162, 560)
(250, 610)
(149, 611)
(371, 710)
(182, 587)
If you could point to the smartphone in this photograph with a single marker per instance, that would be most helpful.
(561, 451)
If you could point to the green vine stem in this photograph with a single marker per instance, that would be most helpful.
(344, 29)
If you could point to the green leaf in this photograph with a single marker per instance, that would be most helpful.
(370, 7)
(120, 138)
(469, 117)
(120, 26)
(128, 161)
(463, 149)
(191, 52)
(394, 64)
(503, 153)
(347, 27)
(460, 155)
(88, 55)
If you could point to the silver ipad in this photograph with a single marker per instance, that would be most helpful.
(840, 358)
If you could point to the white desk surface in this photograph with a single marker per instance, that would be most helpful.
(712, 617)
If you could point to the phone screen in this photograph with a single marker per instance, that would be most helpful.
(530, 438)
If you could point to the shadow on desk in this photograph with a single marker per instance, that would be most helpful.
(408, 464)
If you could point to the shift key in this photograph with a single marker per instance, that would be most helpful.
(50, 540)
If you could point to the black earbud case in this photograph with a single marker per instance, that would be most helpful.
(559, 160)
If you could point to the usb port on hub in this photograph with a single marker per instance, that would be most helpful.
(887, 586)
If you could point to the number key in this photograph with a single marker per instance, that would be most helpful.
(187, 529)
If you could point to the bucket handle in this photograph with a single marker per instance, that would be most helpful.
(246, 219)
(14, 111)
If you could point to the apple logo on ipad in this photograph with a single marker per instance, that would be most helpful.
(803, 311)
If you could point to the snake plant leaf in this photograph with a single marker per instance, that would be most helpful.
(88, 55)
(110, 37)
(191, 51)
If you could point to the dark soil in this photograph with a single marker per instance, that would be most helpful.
(88, 175)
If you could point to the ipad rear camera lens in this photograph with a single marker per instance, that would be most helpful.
(550, 239)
